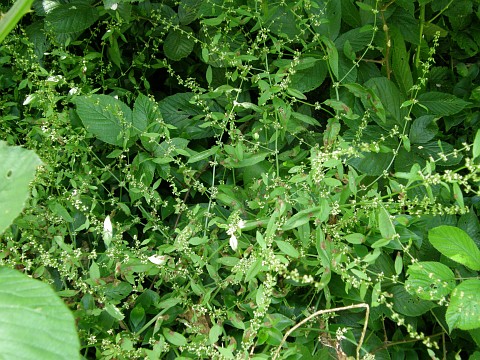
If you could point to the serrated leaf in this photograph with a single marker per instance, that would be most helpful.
(430, 280)
(464, 308)
(409, 305)
(143, 113)
(423, 129)
(17, 170)
(455, 244)
(441, 104)
(105, 117)
(179, 43)
(73, 17)
(28, 307)
(400, 62)
(287, 248)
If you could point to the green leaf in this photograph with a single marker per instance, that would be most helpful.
(329, 15)
(476, 145)
(114, 312)
(105, 117)
(409, 305)
(73, 17)
(214, 333)
(174, 337)
(320, 213)
(400, 62)
(464, 308)
(179, 43)
(441, 104)
(385, 224)
(287, 248)
(28, 307)
(17, 170)
(355, 238)
(94, 271)
(455, 244)
(423, 129)
(430, 280)
(13, 16)
(202, 155)
(310, 78)
(143, 113)
(332, 53)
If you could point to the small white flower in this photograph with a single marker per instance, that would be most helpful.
(157, 259)
(233, 242)
(107, 231)
(241, 224)
(73, 91)
(114, 6)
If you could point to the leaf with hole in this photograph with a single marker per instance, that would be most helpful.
(27, 307)
(462, 312)
(430, 280)
(17, 170)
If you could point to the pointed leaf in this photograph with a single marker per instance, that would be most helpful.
(455, 244)
(28, 307)
(17, 170)
(464, 308)
(105, 117)
(179, 43)
(430, 280)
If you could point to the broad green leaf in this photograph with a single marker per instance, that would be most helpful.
(94, 271)
(73, 17)
(439, 103)
(329, 15)
(143, 113)
(455, 244)
(179, 43)
(35, 322)
(385, 224)
(109, 119)
(430, 280)
(310, 78)
(287, 248)
(355, 238)
(390, 98)
(185, 116)
(188, 10)
(464, 308)
(423, 129)
(17, 170)
(174, 337)
(409, 305)
(400, 62)
(214, 333)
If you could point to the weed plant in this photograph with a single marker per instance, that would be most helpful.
(252, 179)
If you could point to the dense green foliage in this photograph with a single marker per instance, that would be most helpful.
(252, 179)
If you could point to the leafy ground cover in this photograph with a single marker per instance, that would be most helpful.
(251, 179)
